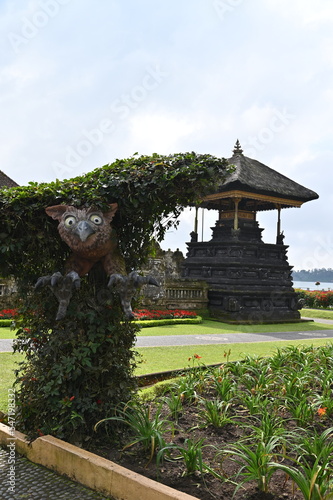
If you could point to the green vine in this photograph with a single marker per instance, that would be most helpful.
(76, 370)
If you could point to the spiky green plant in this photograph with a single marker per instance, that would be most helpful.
(254, 461)
(146, 427)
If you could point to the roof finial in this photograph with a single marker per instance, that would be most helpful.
(237, 150)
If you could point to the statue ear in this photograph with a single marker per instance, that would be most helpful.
(57, 211)
(111, 213)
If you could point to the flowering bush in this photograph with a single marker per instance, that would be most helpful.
(153, 314)
(8, 313)
(316, 299)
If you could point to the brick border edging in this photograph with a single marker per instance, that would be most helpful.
(86, 468)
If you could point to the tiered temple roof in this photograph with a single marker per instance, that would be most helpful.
(259, 186)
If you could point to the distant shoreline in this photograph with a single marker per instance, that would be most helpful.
(311, 285)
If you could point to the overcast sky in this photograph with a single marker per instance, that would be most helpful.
(84, 82)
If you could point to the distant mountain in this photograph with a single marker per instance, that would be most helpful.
(322, 275)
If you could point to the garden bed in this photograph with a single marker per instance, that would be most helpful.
(252, 429)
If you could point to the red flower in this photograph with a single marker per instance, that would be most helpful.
(72, 398)
(8, 313)
(146, 314)
(197, 356)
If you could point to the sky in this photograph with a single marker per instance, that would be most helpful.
(85, 82)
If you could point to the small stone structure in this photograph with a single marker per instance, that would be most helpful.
(174, 291)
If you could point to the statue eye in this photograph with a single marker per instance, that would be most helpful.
(70, 220)
(96, 219)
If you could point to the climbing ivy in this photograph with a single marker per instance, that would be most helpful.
(77, 369)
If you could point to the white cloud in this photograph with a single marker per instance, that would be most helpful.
(154, 132)
(228, 77)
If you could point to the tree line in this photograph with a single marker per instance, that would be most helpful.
(325, 275)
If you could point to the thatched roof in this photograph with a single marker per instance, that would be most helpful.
(256, 181)
(6, 181)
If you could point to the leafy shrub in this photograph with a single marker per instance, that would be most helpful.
(316, 299)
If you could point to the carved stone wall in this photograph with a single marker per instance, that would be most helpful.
(248, 280)
(7, 293)
(174, 291)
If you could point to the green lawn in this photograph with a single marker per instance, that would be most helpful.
(317, 313)
(158, 359)
(7, 333)
(208, 327)
(8, 362)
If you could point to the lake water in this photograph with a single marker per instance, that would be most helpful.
(311, 285)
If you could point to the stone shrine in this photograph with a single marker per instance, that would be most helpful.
(249, 281)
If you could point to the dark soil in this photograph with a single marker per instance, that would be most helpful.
(204, 487)
(283, 401)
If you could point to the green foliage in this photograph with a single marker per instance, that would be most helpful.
(146, 428)
(151, 192)
(6, 322)
(216, 413)
(314, 480)
(316, 299)
(255, 461)
(76, 370)
(162, 322)
(190, 453)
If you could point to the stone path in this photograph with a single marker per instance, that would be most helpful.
(218, 338)
(232, 338)
(34, 482)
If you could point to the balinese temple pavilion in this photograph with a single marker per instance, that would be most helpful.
(248, 280)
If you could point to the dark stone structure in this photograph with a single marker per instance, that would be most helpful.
(6, 181)
(248, 280)
(7, 285)
(173, 292)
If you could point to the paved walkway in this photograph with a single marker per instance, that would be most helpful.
(218, 338)
(34, 482)
(232, 338)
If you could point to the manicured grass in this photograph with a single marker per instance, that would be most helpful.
(7, 333)
(158, 359)
(208, 327)
(317, 313)
(8, 362)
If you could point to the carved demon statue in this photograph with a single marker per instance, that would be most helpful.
(92, 239)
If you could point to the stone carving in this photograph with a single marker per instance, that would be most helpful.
(88, 233)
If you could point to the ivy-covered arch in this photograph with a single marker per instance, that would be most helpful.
(78, 368)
